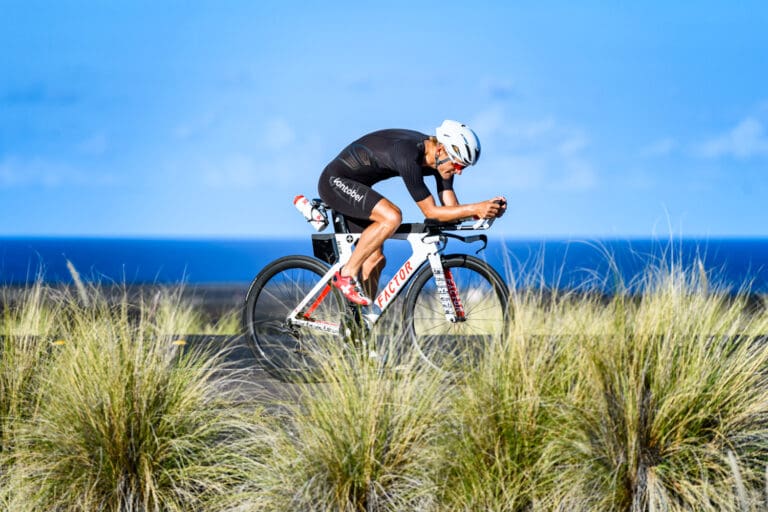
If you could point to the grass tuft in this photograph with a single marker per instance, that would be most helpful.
(125, 420)
(663, 395)
(27, 324)
(362, 440)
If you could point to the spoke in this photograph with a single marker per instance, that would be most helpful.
(288, 348)
(451, 345)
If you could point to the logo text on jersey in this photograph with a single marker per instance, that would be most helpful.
(351, 192)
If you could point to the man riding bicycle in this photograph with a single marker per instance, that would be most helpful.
(345, 186)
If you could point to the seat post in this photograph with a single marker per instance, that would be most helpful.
(339, 222)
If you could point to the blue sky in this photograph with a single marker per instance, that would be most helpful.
(597, 119)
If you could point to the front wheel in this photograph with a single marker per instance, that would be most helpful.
(483, 298)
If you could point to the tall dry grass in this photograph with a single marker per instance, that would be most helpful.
(652, 401)
(493, 448)
(363, 439)
(671, 398)
(25, 355)
(122, 419)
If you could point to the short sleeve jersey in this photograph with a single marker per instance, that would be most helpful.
(385, 154)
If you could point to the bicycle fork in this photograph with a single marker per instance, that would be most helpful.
(447, 291)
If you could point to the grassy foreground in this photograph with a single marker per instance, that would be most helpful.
(650, 402)
(101, 411)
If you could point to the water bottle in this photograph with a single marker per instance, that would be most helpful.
(313, 215)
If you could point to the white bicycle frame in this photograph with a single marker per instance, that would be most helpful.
(425, 247)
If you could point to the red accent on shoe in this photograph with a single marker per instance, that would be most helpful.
(350, 288)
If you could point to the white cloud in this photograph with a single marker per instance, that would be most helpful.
(532, 172)
(260, 171)
(746, 140)
(638, 179)
(278, 134)
(511, 172)
(234, 172)
(488, 123)
(573, 143)
(545, 132)
(18, 172)
(578, 175)
(539, 154)
(196, 127)
(661, 147)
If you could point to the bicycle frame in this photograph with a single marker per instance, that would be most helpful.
(425, 246)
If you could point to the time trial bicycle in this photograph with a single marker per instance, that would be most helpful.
(453, 305)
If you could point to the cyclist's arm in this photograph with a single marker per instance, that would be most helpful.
(449, 213)
(448, 198)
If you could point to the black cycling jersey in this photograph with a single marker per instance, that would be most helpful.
(345, 182)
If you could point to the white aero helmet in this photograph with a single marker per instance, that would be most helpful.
(459, 141)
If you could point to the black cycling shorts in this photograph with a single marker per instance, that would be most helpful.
(353, 199)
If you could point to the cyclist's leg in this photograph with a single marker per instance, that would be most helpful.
(385, 219)
(371, 273)
(372, 268)
(373, 265)
(377, 217)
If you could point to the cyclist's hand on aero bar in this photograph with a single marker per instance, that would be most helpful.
(492, 208)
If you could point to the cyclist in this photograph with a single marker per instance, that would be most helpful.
(345, 186)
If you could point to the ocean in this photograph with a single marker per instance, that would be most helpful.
(733, 264)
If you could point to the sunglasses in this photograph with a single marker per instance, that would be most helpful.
(456, 164)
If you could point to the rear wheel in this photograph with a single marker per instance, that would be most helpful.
(289, 352)
(484, 298)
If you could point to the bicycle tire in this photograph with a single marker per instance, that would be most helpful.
(447, 346)
(288, 352)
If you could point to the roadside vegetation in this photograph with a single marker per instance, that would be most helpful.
(649, 401)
